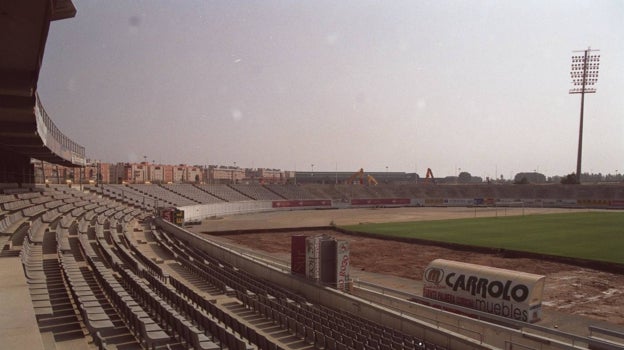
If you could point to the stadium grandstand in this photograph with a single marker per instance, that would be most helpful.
(88, 251)
(89, 265)
(180, 195)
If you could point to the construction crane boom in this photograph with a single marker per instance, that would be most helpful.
(429, 176)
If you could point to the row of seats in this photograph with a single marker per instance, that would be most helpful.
(224, 192)
(93, 315)
(193, 192)
(219, 274)
(230, 322)
(15, 204)
(163, 194)
(127, 195)
(202, 312)
(196, 300)
(134, 316)
(172, 321)
(9, 221)
(127, 263)
(62, 217)
(331, 331)
(256, 191)
(293, 192)
(137, 321)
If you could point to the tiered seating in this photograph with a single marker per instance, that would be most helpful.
(194, 193)
(324, 191)
(10, 221)
(118, 289)
(224, 192)
(257, 192)
(292, 192)
(174, 319)
(92, 312)
(356, 191)
(163, 195)
(387, 191)
(95, 189)
(273, 303)
(36, 231)
(158, 296)
(129, 196)
(134, 316)
(16, 204)
(329, 329)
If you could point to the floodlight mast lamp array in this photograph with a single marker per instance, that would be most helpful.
(584, 73)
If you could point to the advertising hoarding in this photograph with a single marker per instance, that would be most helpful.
(381, 201)
(301, 203)
(342, 264)
(179, 217)
(298, 255)
(328, 261)
(312, 259)
(511, 294)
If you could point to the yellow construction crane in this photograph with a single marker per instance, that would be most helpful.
(371, 180)
(357, 175)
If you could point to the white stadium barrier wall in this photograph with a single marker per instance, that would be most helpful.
(203, 211)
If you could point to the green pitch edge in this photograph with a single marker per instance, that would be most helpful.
(588, 235)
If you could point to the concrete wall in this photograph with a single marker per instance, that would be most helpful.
(202, 211)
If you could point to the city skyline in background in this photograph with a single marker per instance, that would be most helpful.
(401, 86)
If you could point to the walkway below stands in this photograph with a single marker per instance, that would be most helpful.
(19, 325)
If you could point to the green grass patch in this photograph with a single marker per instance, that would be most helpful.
(588, 235)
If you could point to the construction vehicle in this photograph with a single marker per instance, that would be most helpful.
(429, 177)
(371, 180)
(357, 175)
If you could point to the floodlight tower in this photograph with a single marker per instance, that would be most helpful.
(584, 73)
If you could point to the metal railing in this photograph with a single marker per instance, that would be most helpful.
(54, 139)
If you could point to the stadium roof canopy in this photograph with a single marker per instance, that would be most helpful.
(25, 127)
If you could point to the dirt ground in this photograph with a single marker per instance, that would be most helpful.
(570, 291)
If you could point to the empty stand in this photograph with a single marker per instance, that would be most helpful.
(225, 193)
(192, 192)
(256, 191)
(98, 269)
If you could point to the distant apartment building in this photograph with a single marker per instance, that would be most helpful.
(145, 172)
(194, 174)
(267, 176)
(225, 174)
(129, 173)
(156, 173)
(93, 172)
(178, 173)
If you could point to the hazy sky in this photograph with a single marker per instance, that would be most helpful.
(480, 86)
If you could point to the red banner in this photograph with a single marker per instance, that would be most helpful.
(302, 203)
(381, 201)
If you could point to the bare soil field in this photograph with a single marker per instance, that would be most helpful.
(572, 294)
